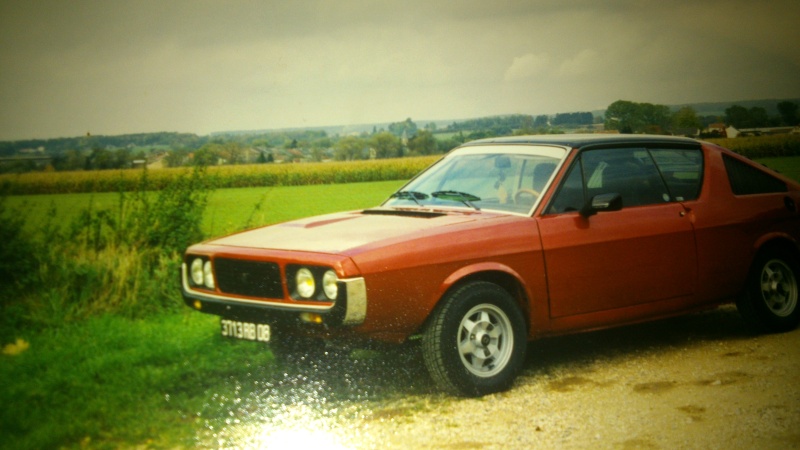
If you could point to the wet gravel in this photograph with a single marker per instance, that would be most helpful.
(700, 381)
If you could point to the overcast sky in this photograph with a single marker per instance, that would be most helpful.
(113, 67)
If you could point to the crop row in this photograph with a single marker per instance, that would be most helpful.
(755, 147)
(216, 176)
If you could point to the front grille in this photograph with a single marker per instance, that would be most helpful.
(249, 278)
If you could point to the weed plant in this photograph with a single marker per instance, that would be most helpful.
(121, 260)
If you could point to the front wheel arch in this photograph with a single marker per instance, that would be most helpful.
(507, 281)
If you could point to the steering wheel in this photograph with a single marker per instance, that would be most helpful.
(527, 192)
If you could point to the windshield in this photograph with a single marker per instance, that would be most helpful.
(500, 178)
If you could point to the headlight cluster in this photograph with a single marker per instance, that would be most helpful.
(202, 273)
(312, 283)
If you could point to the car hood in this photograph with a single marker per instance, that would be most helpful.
(345, 233)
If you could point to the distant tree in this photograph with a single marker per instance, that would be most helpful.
(737, 116)
(759, 117)
(100, 159)
(541, 121)
(207, 155)
(576, 118)
(686, 119)
(349, 148)
(631, 117)
(176, 157)
(233, 152)
(656, 118)
(423, 143)
(408, 127)
(788, 111)
(624, 116)
(70, 160)
(386, 145)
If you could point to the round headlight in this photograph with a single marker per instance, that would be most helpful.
(196, 271)
(208, 275)
(329, 285)
(305, 283)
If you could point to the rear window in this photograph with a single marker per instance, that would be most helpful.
(748, 180)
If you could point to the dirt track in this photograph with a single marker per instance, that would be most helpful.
(701, 381)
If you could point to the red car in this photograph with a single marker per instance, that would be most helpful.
(506, 240)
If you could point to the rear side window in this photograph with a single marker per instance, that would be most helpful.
(748, 180)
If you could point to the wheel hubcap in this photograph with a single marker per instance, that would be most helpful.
(779, 288)
(485, 340)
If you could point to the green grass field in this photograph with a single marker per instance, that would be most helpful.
(228, 210)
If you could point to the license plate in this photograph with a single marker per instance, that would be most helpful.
(245, 330)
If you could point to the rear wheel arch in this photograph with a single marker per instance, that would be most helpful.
(769, 301)
(778, 244)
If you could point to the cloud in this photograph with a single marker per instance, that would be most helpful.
(584, 62)
(527, 66)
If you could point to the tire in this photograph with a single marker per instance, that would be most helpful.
(770, 301)
(475, 342)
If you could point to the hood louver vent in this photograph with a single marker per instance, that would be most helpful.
(403, 213)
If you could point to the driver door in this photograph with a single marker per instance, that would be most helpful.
(641, 254)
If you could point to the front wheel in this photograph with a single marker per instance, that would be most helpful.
(770, 299)
(475, 342)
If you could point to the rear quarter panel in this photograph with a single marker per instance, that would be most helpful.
(730, 229)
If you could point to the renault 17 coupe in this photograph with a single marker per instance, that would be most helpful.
(506, 240)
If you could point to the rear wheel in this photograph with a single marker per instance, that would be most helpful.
(770, 301)
(475, 342)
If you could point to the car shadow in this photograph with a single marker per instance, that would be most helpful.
(720, 324)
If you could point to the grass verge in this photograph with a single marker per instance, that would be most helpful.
(108, 382)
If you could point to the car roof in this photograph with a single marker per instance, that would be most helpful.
(582, 140)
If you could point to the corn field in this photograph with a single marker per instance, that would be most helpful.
(218, 177)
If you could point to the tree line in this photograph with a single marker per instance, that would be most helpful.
(631, 117)
(398, 139)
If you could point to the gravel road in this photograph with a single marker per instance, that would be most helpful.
(697, 382)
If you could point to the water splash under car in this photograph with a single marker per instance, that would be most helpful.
(507, 240)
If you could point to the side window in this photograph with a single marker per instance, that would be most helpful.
(629, 172)
(682, 170)
(747, 180)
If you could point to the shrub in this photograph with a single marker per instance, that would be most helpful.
(107, 261)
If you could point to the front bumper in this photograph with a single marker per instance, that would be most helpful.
(349, 309)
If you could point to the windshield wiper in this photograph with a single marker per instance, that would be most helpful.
(457, 196)
(410, 195)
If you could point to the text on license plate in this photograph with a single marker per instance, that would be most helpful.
(245, 330)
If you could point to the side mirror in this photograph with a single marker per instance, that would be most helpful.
(602, 203)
